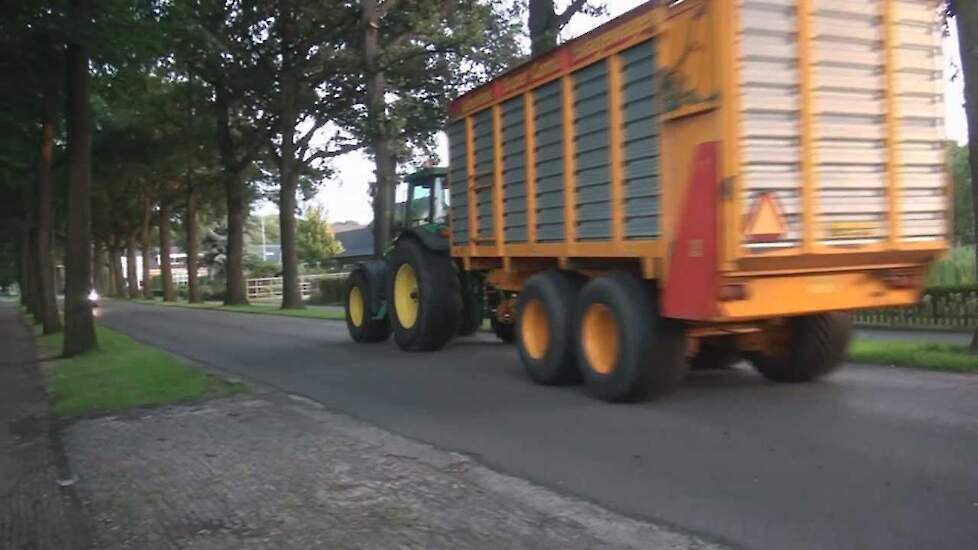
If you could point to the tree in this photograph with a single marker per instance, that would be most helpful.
(315, 240)
(411, 60)
(965, 13)
(545, 23)
(79, 324)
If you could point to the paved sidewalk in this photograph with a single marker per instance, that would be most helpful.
(35, 513)
(271, 472)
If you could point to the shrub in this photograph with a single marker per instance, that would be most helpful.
(332, 291)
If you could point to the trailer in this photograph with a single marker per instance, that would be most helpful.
(690, 184)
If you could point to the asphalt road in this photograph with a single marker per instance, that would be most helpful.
(869, 458)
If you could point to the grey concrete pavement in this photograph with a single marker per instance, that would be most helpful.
(872, 457)
(35, 513)
(265, 472)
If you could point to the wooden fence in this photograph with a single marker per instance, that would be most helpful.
(271, 288)
(943, 308)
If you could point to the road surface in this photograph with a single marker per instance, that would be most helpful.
(870, 458)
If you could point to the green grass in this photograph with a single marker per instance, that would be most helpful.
(308, 313)
(123, 374)
(922, 355)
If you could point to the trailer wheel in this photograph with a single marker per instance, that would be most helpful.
(814, 346)
(625, 350)
(424, 297)
(504, 331)
(715, 354)
(360, 323)
(544, 330)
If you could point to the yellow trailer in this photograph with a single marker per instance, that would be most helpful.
(697, 181)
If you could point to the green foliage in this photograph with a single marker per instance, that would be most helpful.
(256, 268)
(957, 269)
(122, 374)
(315, 240)
(931, 356)
(332, 291)
(964, 213)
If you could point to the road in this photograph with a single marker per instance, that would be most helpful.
(870, 458)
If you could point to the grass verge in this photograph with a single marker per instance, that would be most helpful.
(308, 313)
(123, 374)
(922, 355)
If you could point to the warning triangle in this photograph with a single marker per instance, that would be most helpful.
(765, 222)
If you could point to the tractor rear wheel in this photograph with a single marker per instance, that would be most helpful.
(813, 346)
(625, 350)
(360, 323)
(423, 296)
(544, 328)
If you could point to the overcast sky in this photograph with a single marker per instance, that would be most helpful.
(345, 196)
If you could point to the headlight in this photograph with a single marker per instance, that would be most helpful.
(93, 296)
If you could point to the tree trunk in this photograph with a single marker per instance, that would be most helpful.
(190, 224)
(966, 13)
(291, 290)
(118, 277)
(386, 163)
(132, 276)
(146, 250)
(235, 197)
(543, 25)
(29, 265)
(190, 217)
(384, 196)
(47, 298)
(79, 324)
(100, 272)
(166, 271)
(22, 274)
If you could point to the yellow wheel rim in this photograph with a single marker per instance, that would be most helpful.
(406, 296)
(535, 329)
(599, 334)
(355, 306)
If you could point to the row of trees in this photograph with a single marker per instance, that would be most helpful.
(141, 120)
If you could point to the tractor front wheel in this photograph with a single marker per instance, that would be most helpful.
(363, 328)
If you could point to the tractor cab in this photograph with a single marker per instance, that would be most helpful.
(422, 199)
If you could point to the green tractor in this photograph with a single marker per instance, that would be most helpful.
(418, 291)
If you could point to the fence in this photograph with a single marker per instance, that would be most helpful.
(271, 287)
(940, 308)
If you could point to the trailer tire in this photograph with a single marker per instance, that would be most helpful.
(815, 346)
(424, 297)
(544, 327)
(504, 331)
(715, 354)
(363, 328)
(625, 350)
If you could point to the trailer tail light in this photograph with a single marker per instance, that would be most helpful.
(900, 279)
(732, 292)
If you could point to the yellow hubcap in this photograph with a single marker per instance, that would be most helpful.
(406, 296)
(535, 329)
(355, 306)
(600, 337)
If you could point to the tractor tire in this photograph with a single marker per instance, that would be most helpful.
(504, 331)
(625, 350)
(363, 328)
(423, 297)
(544, 327)
(472, 308)
(715, 354)
(816, 345)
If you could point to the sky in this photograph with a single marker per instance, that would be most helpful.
(345, 196)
